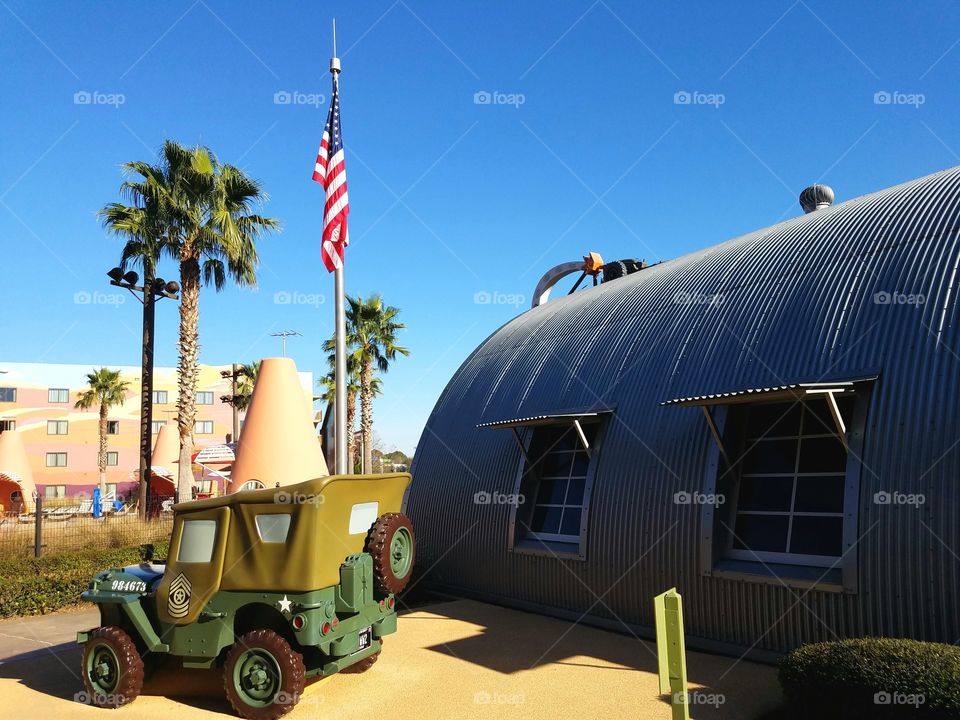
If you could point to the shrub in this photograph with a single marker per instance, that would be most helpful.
(873, 678)
(36, 586)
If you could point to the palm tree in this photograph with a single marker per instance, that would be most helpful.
(371, 341)
(201, 212)
(106, 389)
(328, 383)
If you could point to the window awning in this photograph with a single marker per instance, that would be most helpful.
(550, 419)
(793, 391)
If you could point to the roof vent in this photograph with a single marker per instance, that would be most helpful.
(816, 197)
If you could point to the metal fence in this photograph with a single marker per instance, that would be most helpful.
(64, 528)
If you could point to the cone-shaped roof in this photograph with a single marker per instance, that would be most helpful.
(166, 449)
(15, 472)
(278, 444)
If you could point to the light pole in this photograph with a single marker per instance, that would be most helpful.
(234, 373)
(152, 288)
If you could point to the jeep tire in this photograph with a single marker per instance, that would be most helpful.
(392, 545)
(112, 668)
(263, 677)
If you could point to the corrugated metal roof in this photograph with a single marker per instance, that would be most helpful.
(821, 296)
(547, 419)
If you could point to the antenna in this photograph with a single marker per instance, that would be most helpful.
(284, 334)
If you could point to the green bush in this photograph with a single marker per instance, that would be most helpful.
(36, 586)
(873, 678)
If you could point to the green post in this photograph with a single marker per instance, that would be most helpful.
(671, 655)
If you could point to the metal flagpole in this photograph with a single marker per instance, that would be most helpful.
(340, 402)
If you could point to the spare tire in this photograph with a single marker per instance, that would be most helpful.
(392, 545)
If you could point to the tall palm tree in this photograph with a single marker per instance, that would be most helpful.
(372, 344)
(328, 383)
(105, 388)
(205, 212)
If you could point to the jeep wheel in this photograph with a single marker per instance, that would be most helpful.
(263, 677)
(112, 668)
(393, 547)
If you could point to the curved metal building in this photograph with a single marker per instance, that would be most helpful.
(770, 425)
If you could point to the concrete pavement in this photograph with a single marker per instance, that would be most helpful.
(457, 659)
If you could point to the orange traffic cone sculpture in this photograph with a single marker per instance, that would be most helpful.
(278, 445)
(16, 477)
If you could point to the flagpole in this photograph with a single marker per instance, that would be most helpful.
(340, 363)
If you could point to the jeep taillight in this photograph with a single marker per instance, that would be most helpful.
(298, 622)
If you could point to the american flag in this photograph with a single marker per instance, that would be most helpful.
(332, 175)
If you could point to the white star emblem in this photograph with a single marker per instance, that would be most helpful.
(285, 604)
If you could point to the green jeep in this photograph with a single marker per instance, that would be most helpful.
(274, 586)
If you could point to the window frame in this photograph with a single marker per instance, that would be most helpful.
(7, 424)
(11, 390)
(57, 454)
(155, 426)
(116, 458)
(59, 491)
(204, 423)
(823, 572)
(58, 423)
(157, 394)
(204, 393)
(548, 544)
(113, 424)
(60, 393)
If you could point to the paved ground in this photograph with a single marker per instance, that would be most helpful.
(456, 659)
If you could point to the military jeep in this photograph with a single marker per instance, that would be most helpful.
(273, 586)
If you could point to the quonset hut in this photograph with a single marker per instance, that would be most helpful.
(770, 425)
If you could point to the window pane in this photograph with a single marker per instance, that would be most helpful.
(770, 456)
(571, 522)
(817, 536)
(546, 519)
(196, 541)
(273, 528)
(761, 533)
(819, 494)
(551, 492)
(765, 493)
(556, 465)
(580, 464)
(775, 419)
(575, 491)
(822, 455)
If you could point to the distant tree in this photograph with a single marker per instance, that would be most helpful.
(246, 379)
(105, 388)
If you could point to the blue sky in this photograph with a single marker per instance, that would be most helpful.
(588, 143)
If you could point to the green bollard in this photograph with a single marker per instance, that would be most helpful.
(671, 655)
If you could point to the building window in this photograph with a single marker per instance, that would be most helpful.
(204, 397)
(55, 491)
(113, 458)
(56, 459)
(8, 394)
(8, 425)
(203, 427)
(549, 506)
(155, 426)
(789, 495)
(58, 395)
(57, 427)
(113, 427)
(112, 489)
(159, 397)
